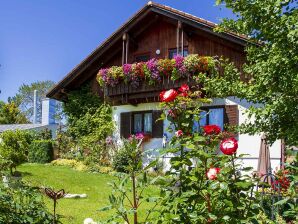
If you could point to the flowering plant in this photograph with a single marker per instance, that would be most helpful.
(229, 146)
(211, 129)
(193, 186)
(154, 70)
(212, 173)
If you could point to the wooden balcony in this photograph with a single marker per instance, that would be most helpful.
(127, 94)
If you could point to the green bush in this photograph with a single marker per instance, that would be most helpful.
(23, 205)
(120, 161)
(40, 151)
(13, 148)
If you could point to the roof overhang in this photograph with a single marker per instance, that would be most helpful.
(60, 89)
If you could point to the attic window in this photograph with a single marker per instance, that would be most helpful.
(142, 58)
(173, 52)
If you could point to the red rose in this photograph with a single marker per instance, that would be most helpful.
(168, 96)
(184, 88)
(211, 129)
(212, 173)
(184, 94)
(229, 146)
(179, 133)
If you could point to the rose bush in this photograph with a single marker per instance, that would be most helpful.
(203, 186)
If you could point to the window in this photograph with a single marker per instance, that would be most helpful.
(142, 58)
(141, 121)
(173, 52)
(209, 116)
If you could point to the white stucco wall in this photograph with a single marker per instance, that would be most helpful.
(247, 144)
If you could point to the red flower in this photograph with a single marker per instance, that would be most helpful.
(179, 133)
(211, 129)
(229, 146)
(184, 88)
(168, 96)
(212, 173)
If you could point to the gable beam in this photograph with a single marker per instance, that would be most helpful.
(196, 24)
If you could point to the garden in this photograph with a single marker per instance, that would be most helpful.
(85, 175)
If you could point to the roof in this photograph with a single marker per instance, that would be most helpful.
(150, 6)
(13, 127)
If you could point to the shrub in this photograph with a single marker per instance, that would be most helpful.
(121, 160)
(77, 165)
(40, 151)
(13, 148)
(23, 205)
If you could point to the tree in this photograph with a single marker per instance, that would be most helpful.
(24, 99)
(13, 148)
(11, 114)
(272, 55)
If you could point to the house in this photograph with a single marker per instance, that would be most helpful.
(158, 31)
(47, 120)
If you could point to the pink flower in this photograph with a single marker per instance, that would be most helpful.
(184, 88)
(211, 129)
(168, 96)
(140, 136)
(179, 133)
(171, 113)
(212, 173)
(229, 146)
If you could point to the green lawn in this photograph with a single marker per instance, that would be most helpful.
(74, 210)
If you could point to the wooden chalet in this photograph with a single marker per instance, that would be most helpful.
(158, 31)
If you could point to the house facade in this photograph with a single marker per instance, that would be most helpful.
(158, 31)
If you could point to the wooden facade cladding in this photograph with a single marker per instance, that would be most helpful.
(154, 27)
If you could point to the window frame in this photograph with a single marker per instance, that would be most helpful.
(175, 49)
(208, 108)
(143, 54)
(143, 112)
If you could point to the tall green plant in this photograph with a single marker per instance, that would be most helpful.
(89, 122)
(127, 195)
(13, 148)
(203, 185)
(271, 65)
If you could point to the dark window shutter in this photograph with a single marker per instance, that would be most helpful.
(125, 124)
(157, 126)
(232, 116)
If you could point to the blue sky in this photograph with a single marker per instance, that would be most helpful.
(44, 40)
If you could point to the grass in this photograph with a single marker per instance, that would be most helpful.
(76, 182)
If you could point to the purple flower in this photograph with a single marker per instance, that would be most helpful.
(153, 68)
(127, 69)
(179, 65)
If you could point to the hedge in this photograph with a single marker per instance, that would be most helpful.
(41, 151)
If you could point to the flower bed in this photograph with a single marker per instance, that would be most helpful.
(155, 71)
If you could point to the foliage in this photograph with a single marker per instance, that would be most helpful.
(203, 186)
(271, 65)
(40, 151)
(127, 194)
(121, 160)
(22, 205)
(89, 123)
(13, 148)
(10, 114)
(24, 98)
(77, 165)
(154, 71)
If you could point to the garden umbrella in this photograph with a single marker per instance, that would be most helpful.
(264, 164)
